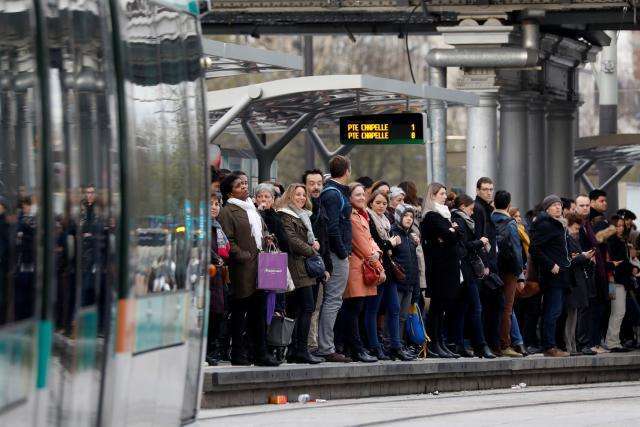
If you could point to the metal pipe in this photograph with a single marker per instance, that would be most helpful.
(438, 121)
(221, 124)
(482, 140)
(483, 57)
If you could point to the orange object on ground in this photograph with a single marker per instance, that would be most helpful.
(278, 399)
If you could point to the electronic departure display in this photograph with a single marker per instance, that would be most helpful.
(377, 129)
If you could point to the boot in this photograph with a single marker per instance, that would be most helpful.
(484, 352)
(451, 353)
(462, 351)
(435, 350)
(267, 360)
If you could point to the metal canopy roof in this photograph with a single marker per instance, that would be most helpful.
(618, 149)
(228, 59)
(282, 102)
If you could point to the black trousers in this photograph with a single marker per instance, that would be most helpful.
(492, 307)
(530, 310)
(248, 318)
(302, 303)
(352, 307)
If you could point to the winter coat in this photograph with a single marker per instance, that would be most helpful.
(468, 248)
(405, 255)
(364, 247)
(486, 228)
(243, 261)
(299, 249)
(274, 225)
(582, 280)
(589, 241)
(548, 247)
(440, 246)
(319, 225)
(619, 251)
(337, 220)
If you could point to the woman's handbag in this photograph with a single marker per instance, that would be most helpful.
(372, 272)
(272, 270)
(478, 266)
(314, 265)
(280, 331)
(398, 272)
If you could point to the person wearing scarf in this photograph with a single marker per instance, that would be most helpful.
(468, 306)
(380, 229)
(244, 229)
(295, 215)
(217, 340)
(440, 239)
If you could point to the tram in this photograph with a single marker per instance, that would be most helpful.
(103, 212)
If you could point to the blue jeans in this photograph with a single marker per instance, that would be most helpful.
(516, 336)
(468, 308)
(387, 292)
(553, 300)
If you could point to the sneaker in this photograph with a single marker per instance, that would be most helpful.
(337, 358)
(509, 352)
(554, 352)
(599, 349)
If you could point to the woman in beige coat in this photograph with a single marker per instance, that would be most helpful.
(364, 248)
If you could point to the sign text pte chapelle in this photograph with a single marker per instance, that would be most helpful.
(377, 129)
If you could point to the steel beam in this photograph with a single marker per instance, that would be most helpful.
(219, 126)
(536, 150)
(322, 149)
(613, 179)
(438, 121)
(584, 167)
(561, 146)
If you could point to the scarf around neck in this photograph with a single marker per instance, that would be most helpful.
(467, 219)
(382, 223)
(304, 216)
(255, 220)
(221, 239)
(442, 210)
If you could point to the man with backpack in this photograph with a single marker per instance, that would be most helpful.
(334, 206)
(510, 265)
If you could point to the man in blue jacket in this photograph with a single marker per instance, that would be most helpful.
(510, 264)
(336, 209)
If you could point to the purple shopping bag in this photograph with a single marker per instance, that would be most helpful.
(272, 271)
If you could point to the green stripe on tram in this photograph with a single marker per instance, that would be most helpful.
(45, 337)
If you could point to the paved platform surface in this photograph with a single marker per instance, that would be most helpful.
(605, 404)
(226, 386)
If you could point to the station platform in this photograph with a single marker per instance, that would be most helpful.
(227, 386)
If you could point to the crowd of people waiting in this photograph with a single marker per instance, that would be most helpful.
(560, 280)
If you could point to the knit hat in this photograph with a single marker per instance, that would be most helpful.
(403, 209)
(550, 200)
(395, 192)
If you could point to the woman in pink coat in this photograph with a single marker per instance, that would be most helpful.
(363, 248)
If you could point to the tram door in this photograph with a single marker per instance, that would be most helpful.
(21, 219)
(84, 203)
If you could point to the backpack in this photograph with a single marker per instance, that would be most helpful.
(507, 259)
(321, 210)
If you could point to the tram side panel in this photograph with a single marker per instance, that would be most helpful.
(162, 215)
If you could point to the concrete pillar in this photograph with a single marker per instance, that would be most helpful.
(482, 140)
(560, 147)
(536, 150)
(512, 172)
(438, 121)
(608, 117)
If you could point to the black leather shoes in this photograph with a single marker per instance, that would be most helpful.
(485, 353)
(379, 353)
(452, 354)
(305, 358)
(463, 352)
(240, 360)
(365, 357)
(400, 354)
(267, 360)
(436, 351)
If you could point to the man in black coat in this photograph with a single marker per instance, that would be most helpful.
(492, 299)
(549, 250)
